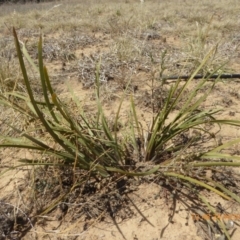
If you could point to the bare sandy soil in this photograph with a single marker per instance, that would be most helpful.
(130, 39)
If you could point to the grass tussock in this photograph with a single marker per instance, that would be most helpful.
(90, 145)
(100, 156)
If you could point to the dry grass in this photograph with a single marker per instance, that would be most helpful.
(194, 30)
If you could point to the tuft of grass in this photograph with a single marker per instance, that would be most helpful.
(90, 144)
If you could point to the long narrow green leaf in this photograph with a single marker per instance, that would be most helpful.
(30, 93)
(16, 107)
(228, 192)
(42, 75)
(14, 144)
(215, 164)
(22, 65)
(25, 53)
(225, 145)
(49, 87)
(49, 149)
(217, 155)
(193, 93)
(197, 182)
(135, 116)
(106, 128)
(32, 139)
(60, 154)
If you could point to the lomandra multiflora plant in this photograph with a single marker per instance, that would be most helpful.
(91, 145)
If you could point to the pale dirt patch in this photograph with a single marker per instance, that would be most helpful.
(152, 223)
